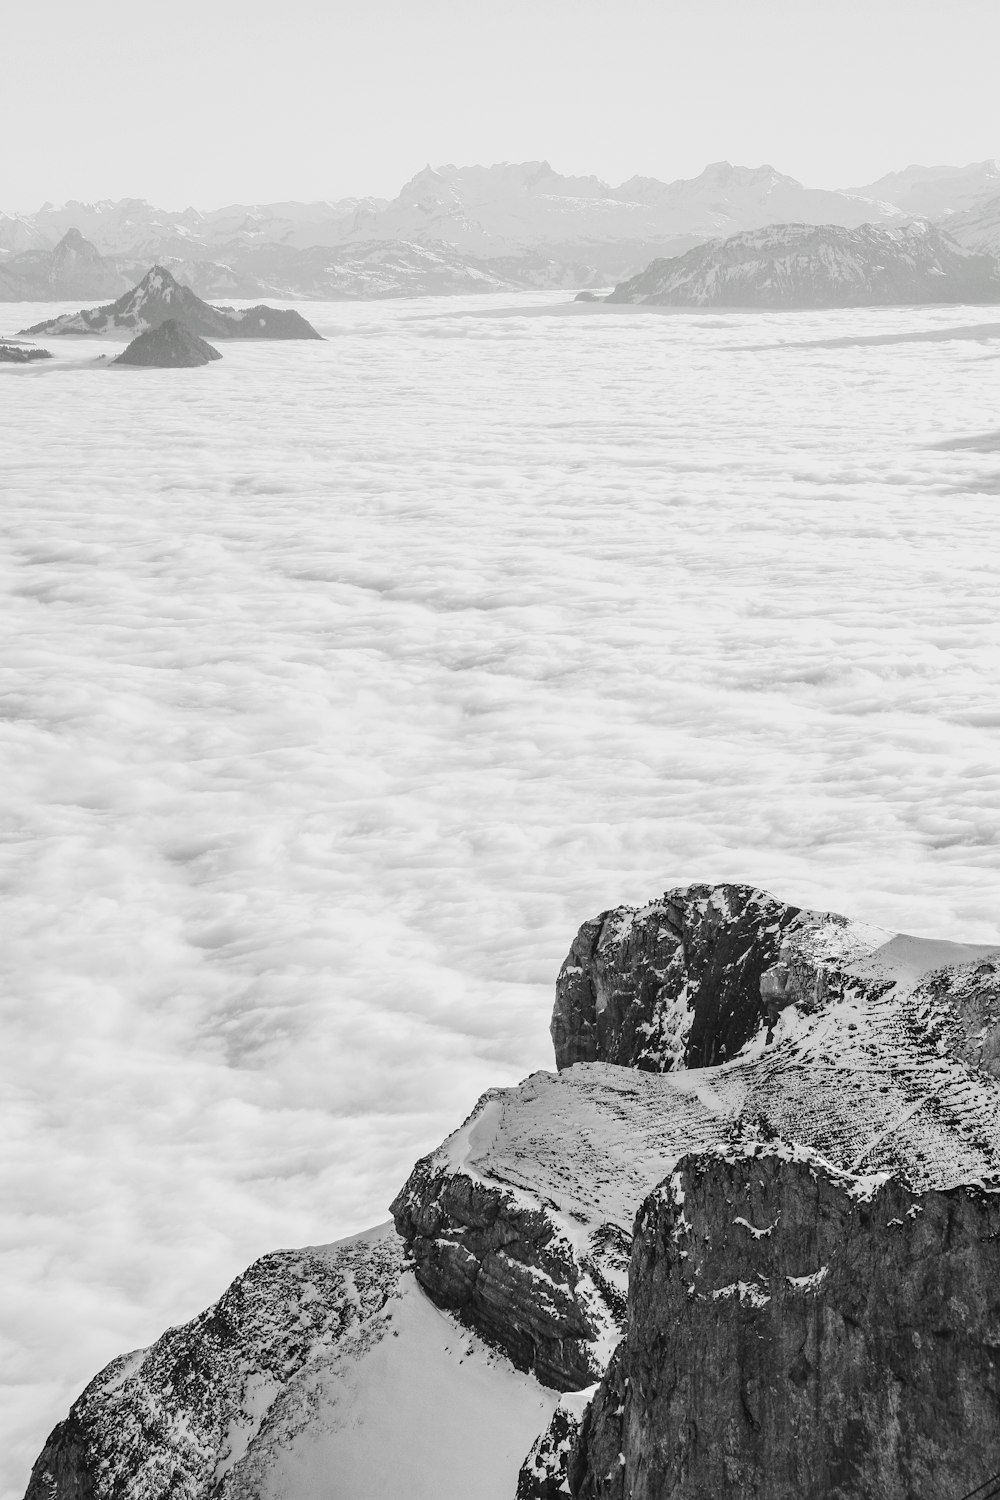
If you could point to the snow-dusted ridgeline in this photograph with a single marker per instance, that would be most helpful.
(801, 265)
(320, 1373)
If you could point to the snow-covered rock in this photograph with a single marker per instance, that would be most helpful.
(321, 1374)
(799, 265)
(830, 1041)
(159, 297)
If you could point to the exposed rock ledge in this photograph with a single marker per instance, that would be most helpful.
(879, 1052)
(691, 979)
(798, 1331)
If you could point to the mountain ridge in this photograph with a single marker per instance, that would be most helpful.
(805, 266)
(496, 227)
(159, 298)
(873, 1058)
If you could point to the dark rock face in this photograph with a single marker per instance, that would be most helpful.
(678, 982)
(267, 323)
(804, 265)
(159, 298)
(169, 346)
(18, 354)
(961, 1007)
(797, 1331)
(176, 1420)
(790, 1328)
(545, 1472)
(506, 1271)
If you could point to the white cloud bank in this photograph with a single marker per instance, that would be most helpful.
(342, 681)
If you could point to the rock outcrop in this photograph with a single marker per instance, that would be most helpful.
(675, 983)
(697, 1037)
(794, 1330)
(169, 346)
(159, 297)
(182, 1418)
(801, 265)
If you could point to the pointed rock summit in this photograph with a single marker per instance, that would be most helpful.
(158, 298)
(171, 346)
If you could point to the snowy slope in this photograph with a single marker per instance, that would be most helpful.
(800, 265)
(428, 1401)
(866, 1050)
(326, 1374)
(322, 1374)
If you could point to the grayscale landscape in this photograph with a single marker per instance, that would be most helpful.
(501, 684)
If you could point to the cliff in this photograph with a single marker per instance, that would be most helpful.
(798, 1331)
(821, 1092)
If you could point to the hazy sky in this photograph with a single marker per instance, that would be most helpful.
(207, 101)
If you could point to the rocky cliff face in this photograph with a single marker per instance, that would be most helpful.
(770, 1288)
(675, 983)
(797, 1331)
(800, 265)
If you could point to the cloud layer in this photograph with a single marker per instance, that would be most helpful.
(342, 681)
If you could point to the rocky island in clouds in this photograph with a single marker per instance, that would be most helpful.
(771, 1138)
(159, 298)
(801, 265)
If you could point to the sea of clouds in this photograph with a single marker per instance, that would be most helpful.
(342, 681)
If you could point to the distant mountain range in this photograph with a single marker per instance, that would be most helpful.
(806, 265)
(934, 192)
(462, 229)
